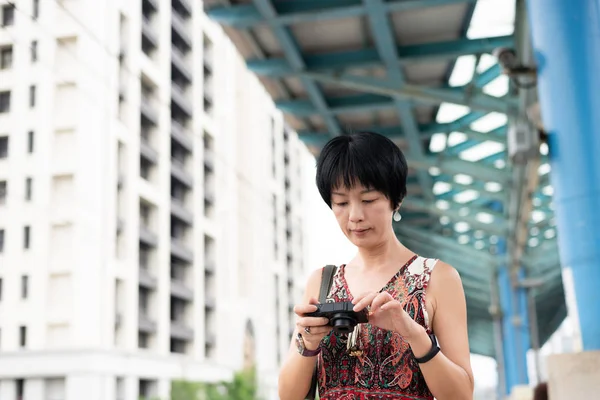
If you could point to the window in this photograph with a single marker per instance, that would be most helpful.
(4, 102)
(28, 185)
(26, 237)
(1, 240)
(34, 51)
(4, 147)
(23, 336)
(36, 9)
(20, 386)
(2, 192)
(145, 168)
(6, 57)
(30, 142)
(24, 286)
(0, 289)
(8, 15)
(32, 96)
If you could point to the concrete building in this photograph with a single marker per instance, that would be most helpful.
(150, 204)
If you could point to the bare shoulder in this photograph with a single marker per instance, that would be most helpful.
(444, 284)
(444, 275)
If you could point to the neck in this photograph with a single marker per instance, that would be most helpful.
(380, 255)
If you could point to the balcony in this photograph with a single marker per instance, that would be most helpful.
(148, 152)
(181, 99)
(118, 319)
(151, 4)
(146, 279)
(181, 28)
(209, 303)
(209, 160)
(179, 172)
(181, 135)
(179, 330)
(148, 32)
(120, 180)
(179, 210)
(179, 60)
(146, 324)
(120, 225)
(149, 112)
(209, 197)
(210, 340)
(181, 251)
(147, 236)
(209, 267)
(182, 6)
(180, 290)
(208, 89)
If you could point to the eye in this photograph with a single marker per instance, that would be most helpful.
(369, 201)
(341, 204)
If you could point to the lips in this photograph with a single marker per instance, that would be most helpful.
(359, 230)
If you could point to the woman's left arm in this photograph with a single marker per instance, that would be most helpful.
(448, 374)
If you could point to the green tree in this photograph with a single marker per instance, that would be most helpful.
(242, 387)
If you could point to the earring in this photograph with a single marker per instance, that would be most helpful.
(397, 216)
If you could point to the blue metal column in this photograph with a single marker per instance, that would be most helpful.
(514, 322)
(566, 41)
(515, 330)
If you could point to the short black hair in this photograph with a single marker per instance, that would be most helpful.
(367, 158)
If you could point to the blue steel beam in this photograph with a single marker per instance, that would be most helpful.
(477, 186)
(387, 49)
(365, 58)
(396, 131)
(359, 103)
(457, 166)
(292, 52)
(245, 16)
(417, 93)
(498, 226)
(438, 241)
(495, 135)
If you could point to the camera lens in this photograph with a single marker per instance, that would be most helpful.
(343, 324)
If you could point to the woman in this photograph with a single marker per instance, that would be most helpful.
(362, 178)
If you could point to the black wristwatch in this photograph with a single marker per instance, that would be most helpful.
(432, 352)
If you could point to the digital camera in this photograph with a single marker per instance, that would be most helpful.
(341, 316)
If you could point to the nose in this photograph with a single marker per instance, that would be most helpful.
(356, 213)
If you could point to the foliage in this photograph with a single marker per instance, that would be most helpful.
(242, 387)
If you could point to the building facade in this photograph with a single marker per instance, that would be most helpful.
(150, 204)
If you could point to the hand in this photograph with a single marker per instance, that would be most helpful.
(317, 327)
(387, 313)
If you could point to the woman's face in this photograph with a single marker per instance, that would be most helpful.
(364, 215)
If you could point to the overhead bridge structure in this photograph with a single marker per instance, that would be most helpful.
(455, 84)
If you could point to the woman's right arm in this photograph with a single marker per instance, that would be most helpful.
(296, 372)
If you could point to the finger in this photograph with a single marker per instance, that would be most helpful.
(302, 309)
(313, 300)
(380, 300)
(312, 321)
(367, 300)
(392, 305)
(360, 297)
(317, 331)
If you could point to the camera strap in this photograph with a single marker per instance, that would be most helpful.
(326, 280)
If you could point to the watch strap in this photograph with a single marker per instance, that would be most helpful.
(304, 351)
(431, 353)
